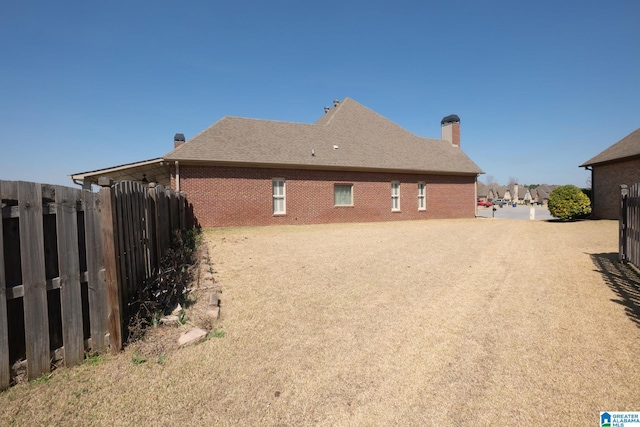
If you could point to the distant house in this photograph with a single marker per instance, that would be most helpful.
(495, 191)
(619, 164)
(482, 191)
(521, 195)
(518, 194)
(541, 193)
(525, 195)
(351, 165)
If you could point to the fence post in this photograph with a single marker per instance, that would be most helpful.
(622, 241)
(111, 264)
(5, 373)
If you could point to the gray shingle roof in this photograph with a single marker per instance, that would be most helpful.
(349, 136)
(481, 189)
(629, 146)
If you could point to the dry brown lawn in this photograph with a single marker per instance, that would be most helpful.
(450, 323)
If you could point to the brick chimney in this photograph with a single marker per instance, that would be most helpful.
(178, 140)
(451, 129)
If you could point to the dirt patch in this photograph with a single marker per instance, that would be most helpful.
(462, 322)
(199, 310)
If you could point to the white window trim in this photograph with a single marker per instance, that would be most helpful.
(395, 196)
(282, 196)
(334, 195)
(422, 196)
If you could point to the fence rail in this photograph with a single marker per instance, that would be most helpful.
(629, 246)
(70, 262)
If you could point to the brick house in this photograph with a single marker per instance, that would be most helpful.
(619, 164)
(351, 165)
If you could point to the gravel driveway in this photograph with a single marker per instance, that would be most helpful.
(385, 324)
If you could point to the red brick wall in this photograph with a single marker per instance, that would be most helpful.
(606, 187)
(227, 196)
(455, 134)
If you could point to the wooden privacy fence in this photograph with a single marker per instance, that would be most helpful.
(629, 250)
(71, 261)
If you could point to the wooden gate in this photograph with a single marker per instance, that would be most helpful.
(629, 246)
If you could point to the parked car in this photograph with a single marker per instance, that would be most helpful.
(500, 202)
(484, 203)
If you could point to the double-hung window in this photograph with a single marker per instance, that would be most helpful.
(343, 195)
(395, 195)
(279, 201)
(422, 201)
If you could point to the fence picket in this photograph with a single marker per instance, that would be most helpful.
(33, 279)
(151, 229)
(69, 271)
(162, 213)
(138, 227)
(174, 211)
(5, 372)
(95, 272)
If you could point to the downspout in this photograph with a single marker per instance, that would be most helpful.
(475, 190)
(177, 176)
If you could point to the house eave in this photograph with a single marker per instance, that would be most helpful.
(610, 161)
(323, 167)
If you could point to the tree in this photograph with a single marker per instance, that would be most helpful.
(569, 202)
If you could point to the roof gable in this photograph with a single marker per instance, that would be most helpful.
(347, 136)
(629, 146)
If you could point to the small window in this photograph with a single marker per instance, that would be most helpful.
(343, 195)
(279, 205)
(395, 196)
(422, 202)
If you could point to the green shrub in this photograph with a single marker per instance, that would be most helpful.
(569, 202)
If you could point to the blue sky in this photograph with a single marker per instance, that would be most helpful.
(540, 87)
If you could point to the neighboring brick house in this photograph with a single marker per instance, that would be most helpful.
(482, 192)
(495, 191)
(619, 164)
(352, 165)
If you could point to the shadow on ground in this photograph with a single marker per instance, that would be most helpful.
(623, 279)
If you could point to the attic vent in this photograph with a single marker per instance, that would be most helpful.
(335, 102)
(335, 147)
(326, 110)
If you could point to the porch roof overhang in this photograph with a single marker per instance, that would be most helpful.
(153, 170)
